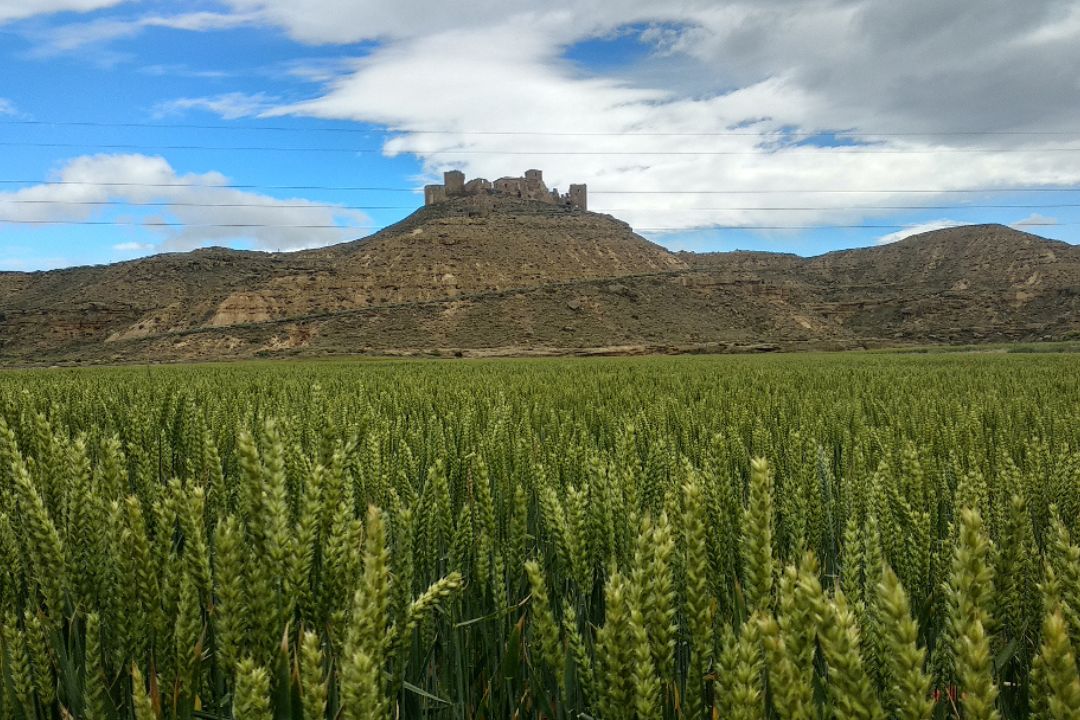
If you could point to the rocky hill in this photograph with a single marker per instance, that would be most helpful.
(495, 275)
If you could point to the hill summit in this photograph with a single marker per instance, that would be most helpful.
(492, 272)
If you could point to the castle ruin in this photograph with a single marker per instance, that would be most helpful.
(529, 187)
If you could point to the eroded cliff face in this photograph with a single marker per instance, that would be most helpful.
(245, 307)
(156, 322)
(462, 248)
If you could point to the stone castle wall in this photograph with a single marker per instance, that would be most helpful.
(529, 187)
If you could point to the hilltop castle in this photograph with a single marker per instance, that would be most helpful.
(530, 187)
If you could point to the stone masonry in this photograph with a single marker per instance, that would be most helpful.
(529, 187)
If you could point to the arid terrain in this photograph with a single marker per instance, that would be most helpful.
(520, 277)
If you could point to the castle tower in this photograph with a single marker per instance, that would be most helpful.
(434, 194)
(454, 180)
(579, 197)
(535, 189)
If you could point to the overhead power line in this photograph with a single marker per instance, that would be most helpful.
(841, 208)
(811, 191)
(812, 227)
(592, 191)
(167, 224)
(787, 150)
(333, 206)
(840, 133)
(226, 186)
(170, 203)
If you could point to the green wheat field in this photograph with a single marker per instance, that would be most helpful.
(801, 537)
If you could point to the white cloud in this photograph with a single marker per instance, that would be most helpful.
(7, 107)
(347, 21)
(1034, 220)
(19, 9)
(921, 74)
(56, 40)
(51, 41)
(763, 67)
(198, 208)
(182, 70)
(1064, 27)
(199, 21)
(916, 229)
(518, 83)
(133, 246)
(315, 70)
(229, 106)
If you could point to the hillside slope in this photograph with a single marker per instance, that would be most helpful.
(497, 275)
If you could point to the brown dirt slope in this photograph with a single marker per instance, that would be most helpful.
(972, 282)
(492, 276)
(461, 247)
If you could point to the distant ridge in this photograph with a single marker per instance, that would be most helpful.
(495, 275)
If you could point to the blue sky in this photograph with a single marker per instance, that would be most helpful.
(129, 128)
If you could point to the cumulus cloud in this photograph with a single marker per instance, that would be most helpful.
(916, 229)
(913, 80)
(921, 65)
(938, 96)
(7, 107)
(193, 209)
(592, 130)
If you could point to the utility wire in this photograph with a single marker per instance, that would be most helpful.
(282, 206)
(832, 191)
(836, 150)
(847, 133)
(165, 224)
(838, 208)
(332, 206)
(229, 186)
(223, 186)
(819, 227)
(600, 191)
